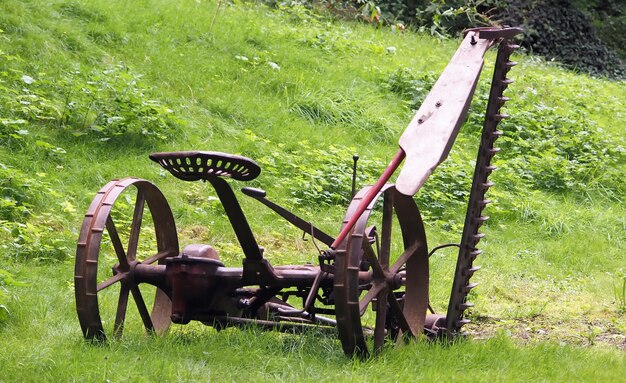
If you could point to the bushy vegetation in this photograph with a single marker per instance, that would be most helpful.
(108, 103)
(89, 89)
(561, 30)
(583, 35)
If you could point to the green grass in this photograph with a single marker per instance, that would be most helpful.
(549, 306)
(46, 346)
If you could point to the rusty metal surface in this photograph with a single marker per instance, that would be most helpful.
(192, 283)
(237, 219)
(430, 135)
(368, 198)
(432, 132)
(88, 283)
(347, 264)
(474, 218)
(358, 272)
(199, 165)
(392, 318)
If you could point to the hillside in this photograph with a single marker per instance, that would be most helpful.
(88, 89)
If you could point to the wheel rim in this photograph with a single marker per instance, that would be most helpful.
(392, 318)
(101, 244)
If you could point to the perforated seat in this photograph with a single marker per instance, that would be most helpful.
(198, 165)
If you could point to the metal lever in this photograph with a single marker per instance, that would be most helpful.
(355, 158)
(298, 222)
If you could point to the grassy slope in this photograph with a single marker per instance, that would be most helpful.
(551, 260)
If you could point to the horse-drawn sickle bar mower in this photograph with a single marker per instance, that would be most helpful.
(364, 286)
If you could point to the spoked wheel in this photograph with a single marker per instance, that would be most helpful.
(118, 233)
(394, 301)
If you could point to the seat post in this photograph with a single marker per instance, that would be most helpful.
(237, 218)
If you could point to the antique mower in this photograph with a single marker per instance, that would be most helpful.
(365, 287)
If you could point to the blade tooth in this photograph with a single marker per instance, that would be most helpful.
(507, 81)
(486, 185)
(496, 134)
(482, 219)
(477, 238)
(512, 46)
(500, 116)
(502, 100)
(475, 253)
(469, 272)
(468, 288)
(490, 169)
(493, 151)
(485, 202)
(509, 64)
(462, 322)
(464, 306)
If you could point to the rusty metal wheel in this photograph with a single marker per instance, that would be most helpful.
(394, 302)
(104, 272)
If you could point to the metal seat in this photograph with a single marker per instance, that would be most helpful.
(199, 165)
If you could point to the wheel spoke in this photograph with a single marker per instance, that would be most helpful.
(160, 255)
(135, 229)
(368, 251)
(120, 314)
(143, 310)
(116, 278)
(371, 294)
(385, 248)
(381, 321)
(404, 257)
(396, 310)
(117, 243)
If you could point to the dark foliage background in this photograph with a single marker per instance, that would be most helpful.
(580, 36)
(585, 35)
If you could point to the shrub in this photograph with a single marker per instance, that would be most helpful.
(554, 152)
(109, 103)
(6, 281)
(16, 193)
(113, 103)
(20, 197)
(557, 30)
